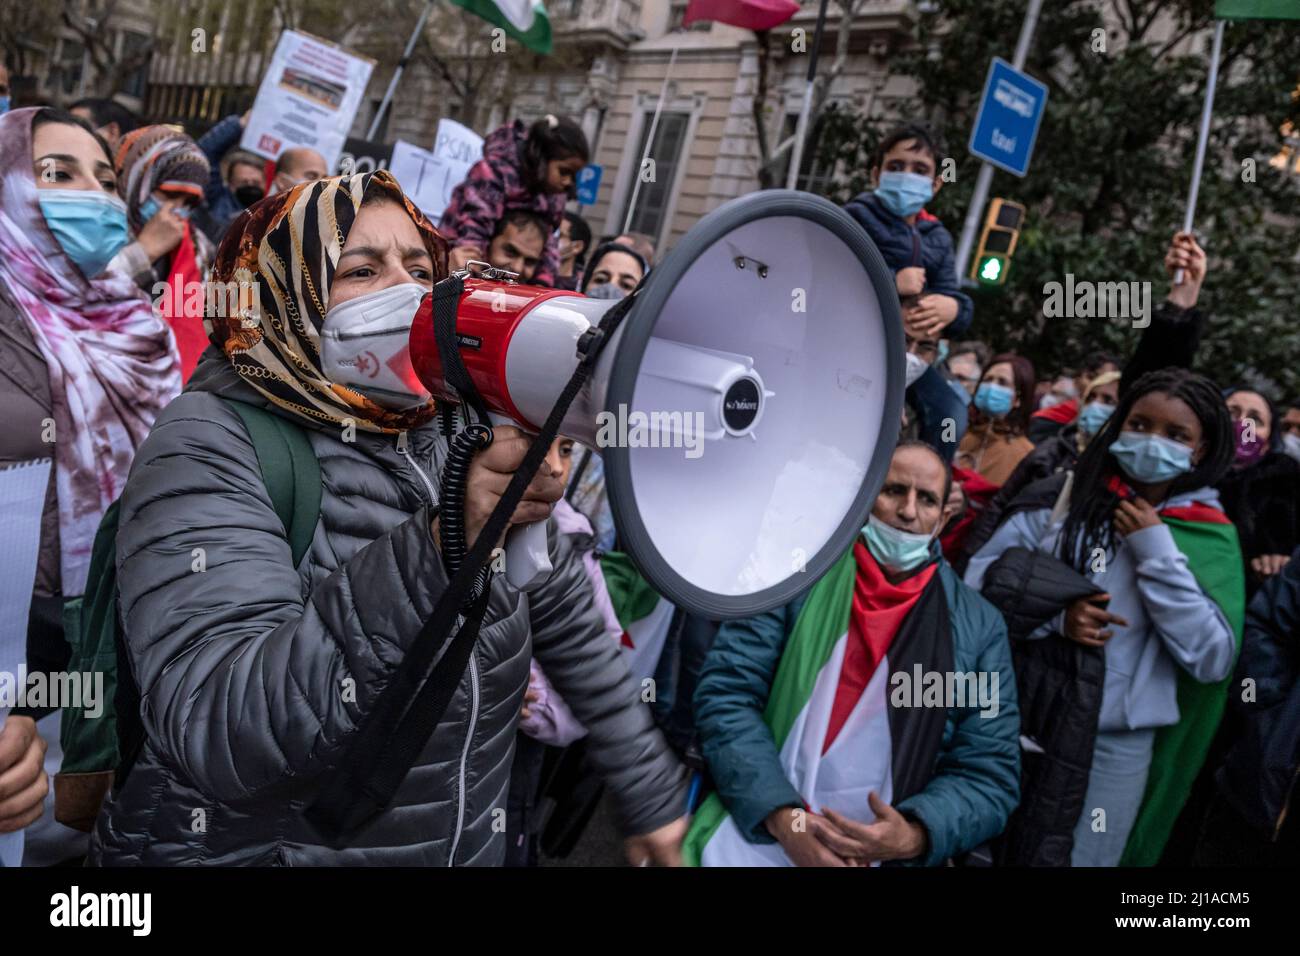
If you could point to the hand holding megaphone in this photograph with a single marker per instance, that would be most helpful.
(490, 473)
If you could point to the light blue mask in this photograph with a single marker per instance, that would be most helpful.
(1093, 416)
(993, 399)
(149, 208)
(90, 225)
(1151, 459)
(905, 194)
(894, 549)
(4, 104)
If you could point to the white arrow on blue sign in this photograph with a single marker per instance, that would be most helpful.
(1007, 122)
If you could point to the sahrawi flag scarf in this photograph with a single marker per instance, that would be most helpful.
(829, 708)
(644, 616)
(525, 20)
(1208, 539)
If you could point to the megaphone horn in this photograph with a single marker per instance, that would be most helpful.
(746, 408)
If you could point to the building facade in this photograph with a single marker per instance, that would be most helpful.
(612, 61)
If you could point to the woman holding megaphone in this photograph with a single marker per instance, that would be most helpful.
(256, 670)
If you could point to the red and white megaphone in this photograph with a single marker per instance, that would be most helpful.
(746, 408)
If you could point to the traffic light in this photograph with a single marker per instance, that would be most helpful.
(997, 242)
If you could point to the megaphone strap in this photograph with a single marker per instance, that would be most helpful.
(408, 710)
(446, 300)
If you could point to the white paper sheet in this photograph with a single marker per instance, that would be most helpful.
(429, 177)
(22, 499)
(308, 97)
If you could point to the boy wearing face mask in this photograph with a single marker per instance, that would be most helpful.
(906, 176)
(807, 714)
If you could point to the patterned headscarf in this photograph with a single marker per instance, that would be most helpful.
(157, 158)
(290, 244)
(112, 363)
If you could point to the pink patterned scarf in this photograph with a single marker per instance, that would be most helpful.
(112, 362)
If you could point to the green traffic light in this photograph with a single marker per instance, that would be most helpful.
(991, 270)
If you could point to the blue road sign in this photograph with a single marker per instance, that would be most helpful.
(1007, 123)
(589, 184)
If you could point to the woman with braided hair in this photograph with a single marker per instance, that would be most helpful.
(1140, 519)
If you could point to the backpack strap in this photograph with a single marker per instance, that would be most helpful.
(290, 471)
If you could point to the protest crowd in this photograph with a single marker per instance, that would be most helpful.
(1108, 549)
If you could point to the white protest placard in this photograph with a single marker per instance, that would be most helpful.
(428, 177)
(22, 489)
(308, 97)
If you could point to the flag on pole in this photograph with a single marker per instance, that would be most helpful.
(746, 14)
(1257, 10)
(525, 20)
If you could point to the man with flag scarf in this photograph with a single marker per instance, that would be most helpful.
(845, 729)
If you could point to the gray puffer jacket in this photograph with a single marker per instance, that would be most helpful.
(254, 676)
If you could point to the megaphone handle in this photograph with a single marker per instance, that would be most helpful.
(528, 560)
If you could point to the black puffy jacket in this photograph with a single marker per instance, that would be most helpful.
(1259, 775)
(254, 675)
(1060, 685)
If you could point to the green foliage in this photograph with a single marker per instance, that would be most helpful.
(1108, 183)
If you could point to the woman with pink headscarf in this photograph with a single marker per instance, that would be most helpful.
(85, 366)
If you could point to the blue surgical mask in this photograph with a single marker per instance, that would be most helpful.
(895, 549)
(4, 104)
(149, 208)
(1151, 459)
(993, 399)
(905, 194)
(1093, 416)
(89, 224)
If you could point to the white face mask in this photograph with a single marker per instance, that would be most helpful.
(365, 345)
(916, 367)
(1291, 445)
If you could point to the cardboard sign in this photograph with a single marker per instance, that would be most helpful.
(308, 97)
(429, 177)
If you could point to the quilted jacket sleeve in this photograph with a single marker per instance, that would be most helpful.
(245, 681)
(477, 204)
(941, 279)
(976, 782)
(572, 643)
(729, 703)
